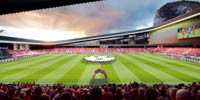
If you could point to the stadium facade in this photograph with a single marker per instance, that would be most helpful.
(183, 30)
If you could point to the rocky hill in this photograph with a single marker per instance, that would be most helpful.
(174, 9)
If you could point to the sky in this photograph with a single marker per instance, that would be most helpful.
(81, 20)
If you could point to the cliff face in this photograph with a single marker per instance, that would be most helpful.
(174, 9)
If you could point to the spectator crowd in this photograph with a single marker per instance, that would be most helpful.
(180, 51)
(131, 91)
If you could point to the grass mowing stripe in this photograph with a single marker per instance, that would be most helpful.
(181, 64)
(73, 75)
(111, 73)
(123, 70)
(155, 72)
(177, 61)
(87, 74)
(124, 74)
(176, 77)
(54, 76)
(142, 74)
(31, 69)
(17, 69)
(99, 75)
(177, 73)
(40, 60)
(46, 69)
(104, 66)
(21, 62)
(191, 72)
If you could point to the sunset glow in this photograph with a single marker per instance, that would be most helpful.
(68, 22)
(40, 34)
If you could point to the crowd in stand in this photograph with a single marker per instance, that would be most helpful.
(184, 51)
(132, 91)
(187, 54)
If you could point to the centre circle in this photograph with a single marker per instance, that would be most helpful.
(99, 58)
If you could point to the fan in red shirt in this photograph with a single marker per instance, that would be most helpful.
(107, 95)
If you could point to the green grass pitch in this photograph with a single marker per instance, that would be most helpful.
(71, 69)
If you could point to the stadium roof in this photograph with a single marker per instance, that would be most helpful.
(104, 36)
(6, 39)
(14, 6)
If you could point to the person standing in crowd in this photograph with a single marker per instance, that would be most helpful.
(107, 95)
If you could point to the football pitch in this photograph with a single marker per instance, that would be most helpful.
(71, 69)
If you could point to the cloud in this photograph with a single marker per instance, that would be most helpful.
(65, 19)
(89, 19)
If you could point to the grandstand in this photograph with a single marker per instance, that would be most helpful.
(156, 63)
(166, 39)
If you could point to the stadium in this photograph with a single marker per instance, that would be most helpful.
(165, 56)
